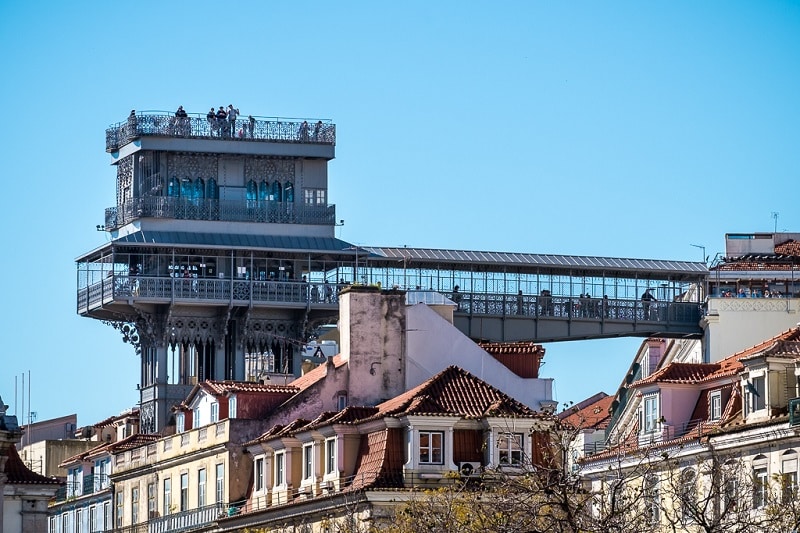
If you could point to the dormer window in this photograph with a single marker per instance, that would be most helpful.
(509, 447)
(214, 412)
(715, 405)
(280, 469)
(180, 423)
(308, 461)
(650, 414)
(755, 394)
(431, 447)
(196, 417)
(232, 407)
(330, 456)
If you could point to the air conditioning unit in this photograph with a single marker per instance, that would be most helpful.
(469, 469)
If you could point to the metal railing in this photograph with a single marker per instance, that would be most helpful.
(224, 210)
(208, 290)
(201, 127)
(90, 484)
(178, 521)
(629, 310)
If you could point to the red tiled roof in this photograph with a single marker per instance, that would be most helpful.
(317, 374)
(19, 474)
(455, 392)
(790, 247)
(596, 415)
(83, 455)
(221, 388)
(679, 373)
(134, 441)
(522, 348)
(111, 419)
(380, 460)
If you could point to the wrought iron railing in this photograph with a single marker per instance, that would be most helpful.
(178, 521)
(224, 210)
(207, 290)
(90, 484)
(576, 307)
(199, 127)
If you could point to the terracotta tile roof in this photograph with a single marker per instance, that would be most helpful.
(596, 415)
(221, 388)
(454, 392)
(380, 460)
(110, 420)
(19, 474)
(317, 374)
(104, 446)
(522, 348)
(679, 373)
(134, 441)
(281, 431)
(790, 247)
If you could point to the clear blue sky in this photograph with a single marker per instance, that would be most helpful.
(622, 129)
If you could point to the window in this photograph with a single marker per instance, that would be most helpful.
(120, 507)
(314, 196)
(232, 407)
(341, 400)
(214, 412)
(107, 515)
(288, 193)
(180, 423)
(185, 492)
(687, 495)
(167, 497)
(64, 522)
(201, 487)
(509, 446)
(430, 447)
(730, 495)
(79, 521)
(135, 505)
(760, 482)
(220, 483)
(715, 405)
(93, 524)
(651, 500)
(755, 395)
(53, 524)
(251, 191)
(258, 472)
(196, 417)
(279, 469)
(789, 477)
(308, 461)
(330, 456)
(651, 414)
(151, 500)
(277, 191)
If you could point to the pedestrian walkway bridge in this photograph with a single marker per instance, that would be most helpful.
(500, 297)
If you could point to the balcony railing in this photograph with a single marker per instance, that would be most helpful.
(178, 521)
(90, 484)
(224, 210)
(199, 127)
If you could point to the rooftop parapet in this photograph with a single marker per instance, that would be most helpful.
(196, 126)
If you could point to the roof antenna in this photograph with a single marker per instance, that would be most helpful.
(774, 215)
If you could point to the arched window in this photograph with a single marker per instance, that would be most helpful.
(187, 188)
(760, 481)
(687, 495)
(212, 191)
(788, 476)
(288, 192)
(277, 192)
(199, 189)
(252, 190)
(263, 190)
(173, 187)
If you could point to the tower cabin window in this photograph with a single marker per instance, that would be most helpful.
(277, 192)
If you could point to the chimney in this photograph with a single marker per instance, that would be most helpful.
(372, 324)
(655, 351)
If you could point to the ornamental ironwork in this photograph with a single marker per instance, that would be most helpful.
(202, 127)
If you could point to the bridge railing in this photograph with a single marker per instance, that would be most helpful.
(547, 306)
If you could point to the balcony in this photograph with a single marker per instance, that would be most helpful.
(91, 484)
(161, 124)
(181, 521)
(219, 210)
